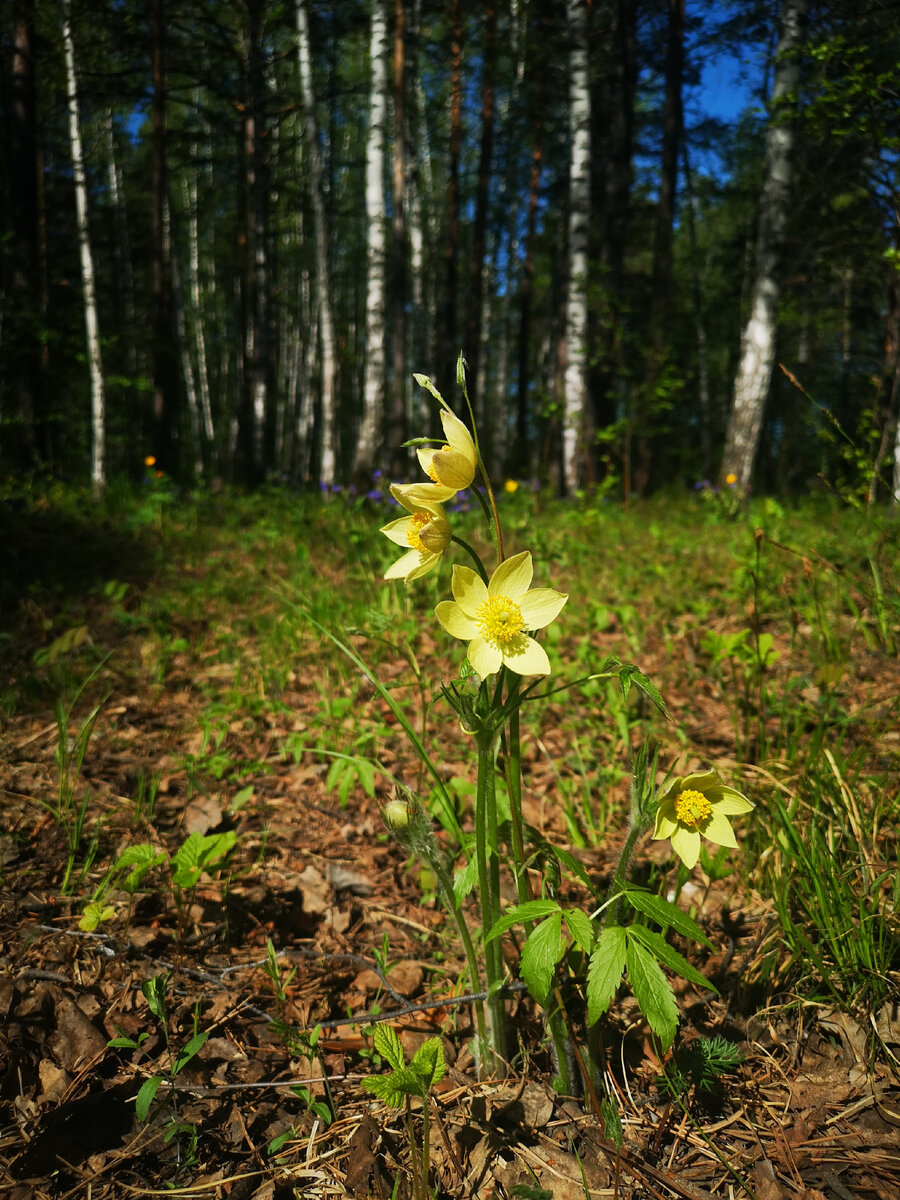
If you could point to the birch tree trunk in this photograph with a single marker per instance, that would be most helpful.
(376, 223)
(575, 382)
(91, 326)
(396, 425)
(754, 374)
(324, 306)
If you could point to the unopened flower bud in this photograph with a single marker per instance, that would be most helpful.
(396, 815)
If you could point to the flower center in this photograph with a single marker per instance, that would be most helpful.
(500, 620)
(692, 808)
(417, 523)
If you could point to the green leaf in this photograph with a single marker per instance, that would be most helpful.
(155, 994)
(630, 676)
(387, 1043)
(531, 910)
(606, 970)
(141, 858)
(197, 854)
(543, 950)
(581, 927)
(669, 956)
(146, 1096)
(394, 1088)
(464, 880)
(569, 860)
(188, 1051)
(652, 991)
(664, 913)
(94, 913)
(428, 1062)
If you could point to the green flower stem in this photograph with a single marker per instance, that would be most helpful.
(445, 883)
(488, 858)
(475, 556)
(513, 762)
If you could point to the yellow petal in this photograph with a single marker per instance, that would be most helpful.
(403, 566)
(458, 437)
(455, 621)
(718, 830)
(485, 658)
(540, 606)
(415, 496)
(513, 577)
(527, 657)
(396, 531)
(468, 590)
(686, 844)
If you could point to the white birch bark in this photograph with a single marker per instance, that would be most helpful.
(754, 374)
(324, 304)
(575, 382)
(191, 204)
(91, 325)
(376, 224)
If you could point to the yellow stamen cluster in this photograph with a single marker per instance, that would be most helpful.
(500, 620)
(417, 523)
(692, 808)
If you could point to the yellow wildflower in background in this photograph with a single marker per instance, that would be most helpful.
(494, 618)
(511, 485)
(731, 479)
(451, 466)
(426, 533)
(696, 806)
(149, 461)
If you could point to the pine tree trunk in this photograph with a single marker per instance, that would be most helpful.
(575, 383)
(371, 431)
(754, 374)
(91, 326)
(324, 306)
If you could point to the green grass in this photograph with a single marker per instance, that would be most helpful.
(773, 638)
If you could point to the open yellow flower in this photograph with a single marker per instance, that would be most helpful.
(426, 533)
(696, 806)
(494, 618)
(451, 466)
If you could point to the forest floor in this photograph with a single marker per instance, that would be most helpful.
(313, 925)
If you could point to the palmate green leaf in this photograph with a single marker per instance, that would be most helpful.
(606, 971)
(387, 1042)
(394, 1088)
(652, 991)
(663, 912)
(669, 956)
(428, 1063)
(543, 950)
(531, 910)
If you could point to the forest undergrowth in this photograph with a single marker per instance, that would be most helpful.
(211, 942)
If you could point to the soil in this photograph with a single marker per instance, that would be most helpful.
(269, 1108)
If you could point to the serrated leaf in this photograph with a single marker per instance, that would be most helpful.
(543, 949)
(669, 956)
(428, 1062)
(387, 1042)
(663, 912)
(652, 991)
(569, 860)
(146, 1096)
(531, 910)
(605, 971)
(581, 927)
(394, 1088)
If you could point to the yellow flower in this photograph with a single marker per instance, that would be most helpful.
(731, 479)
(149, 461)
(426, 533)
(694, 806)
(494, 618)
(451, 466)
(511, 485)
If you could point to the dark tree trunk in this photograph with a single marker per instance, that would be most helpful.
(526, 291)
(451, 245)
(396, 422)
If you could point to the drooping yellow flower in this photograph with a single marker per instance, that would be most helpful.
(495, 618)
(696, 806)
(451, 466)
(426, 533)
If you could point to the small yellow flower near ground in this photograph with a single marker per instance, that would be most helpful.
(150, 461)
(696, 806)
(511, 485)
(451, 466)
(494, 618)
(731, 479)
(426, 533)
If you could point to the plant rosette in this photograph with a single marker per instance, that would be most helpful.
(698, 806)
